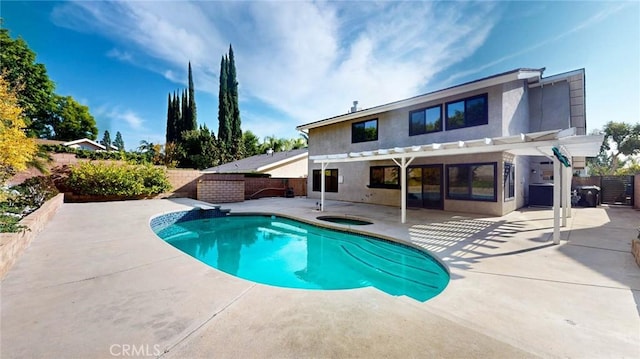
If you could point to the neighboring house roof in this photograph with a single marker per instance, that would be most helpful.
(85, 141)
(531, 75)
(260, 163)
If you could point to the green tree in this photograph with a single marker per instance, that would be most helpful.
(29, 81)
(251, 143)
(236, 150)
(71, 120)
(224, 123)
(192, 122)
(171, 122)
(106, 140)
(201, 149)
(119, 142)
(620, 140)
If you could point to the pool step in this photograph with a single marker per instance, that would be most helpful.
(217, 209)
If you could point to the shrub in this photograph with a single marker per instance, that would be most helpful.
(120, 180)
(20, 200)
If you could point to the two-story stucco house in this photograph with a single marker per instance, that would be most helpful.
(474, 147)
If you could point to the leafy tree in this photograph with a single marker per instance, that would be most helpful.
(251, 143)
(620, 139)
(16, 149)
(71, 120)
(29, 81)
(106, 140)
(119, 142)
(201, 149)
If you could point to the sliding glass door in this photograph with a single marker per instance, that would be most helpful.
(424, 186)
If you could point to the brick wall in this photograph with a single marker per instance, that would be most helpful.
(184, 182)
(220, 188)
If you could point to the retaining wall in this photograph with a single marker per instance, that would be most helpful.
(12, 245)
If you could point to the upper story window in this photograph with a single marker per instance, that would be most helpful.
(472, 111)
(425, 120)
(364, 131)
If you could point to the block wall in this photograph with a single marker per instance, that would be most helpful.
(220, 188)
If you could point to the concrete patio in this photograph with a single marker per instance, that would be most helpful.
(98, 283)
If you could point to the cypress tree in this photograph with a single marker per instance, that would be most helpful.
(224, 125)
(192, 119)
(184, 120)
(171, 125)
(236, 130)
(119, 142)
(177, 116)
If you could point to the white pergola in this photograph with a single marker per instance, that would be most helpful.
(529, 144)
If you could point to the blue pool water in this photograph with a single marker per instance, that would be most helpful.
(287, 253)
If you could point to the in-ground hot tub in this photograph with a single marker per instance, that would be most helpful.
(351, 221)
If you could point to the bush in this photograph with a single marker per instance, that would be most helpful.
(20, 200)
(118, 180)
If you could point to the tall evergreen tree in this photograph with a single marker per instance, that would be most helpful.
(184, 120)
(171, 125)
(224, 125)
(236, 130)
(119, 142)
(177, 116)
(193, 113)
(106, 140)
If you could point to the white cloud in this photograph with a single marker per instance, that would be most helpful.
(308, 60)
(116, 116)
(120, 55)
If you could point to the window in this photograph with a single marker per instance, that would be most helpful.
(476, 182)
(384, 177)
(425, 120)
(472, 111)
(364, 131)
(509, 180)
(330, 180)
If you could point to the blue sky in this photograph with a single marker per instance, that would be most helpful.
(302, 61)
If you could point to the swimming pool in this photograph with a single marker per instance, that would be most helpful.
(284, 252)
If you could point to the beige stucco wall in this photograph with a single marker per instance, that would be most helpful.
(355, 176)
(294, 169)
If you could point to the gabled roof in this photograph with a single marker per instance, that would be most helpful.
(260, 163)
(85, 140)
(531, 75)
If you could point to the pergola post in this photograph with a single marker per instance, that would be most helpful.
(556, 201)
(324, 166)
(403, 186)
(566, 184)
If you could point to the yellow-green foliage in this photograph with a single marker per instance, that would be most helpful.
(91, 178)
(16, 149)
